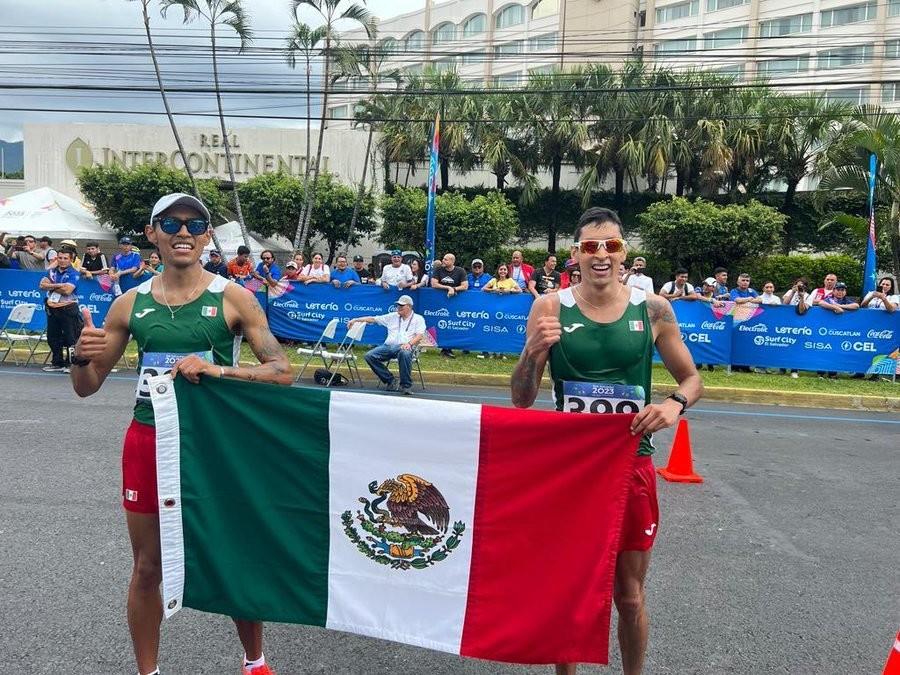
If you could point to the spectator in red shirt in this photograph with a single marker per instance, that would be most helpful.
(819, 294)
(240, 267)
(520, 271)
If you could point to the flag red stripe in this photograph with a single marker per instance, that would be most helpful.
(548, 514)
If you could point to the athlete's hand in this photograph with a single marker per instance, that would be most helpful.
(92, 342)
(655, 416)
(192, 367)
(548, 331)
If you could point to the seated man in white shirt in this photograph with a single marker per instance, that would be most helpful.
(397, 274)
(405, 331)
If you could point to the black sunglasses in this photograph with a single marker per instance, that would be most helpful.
(172, 225)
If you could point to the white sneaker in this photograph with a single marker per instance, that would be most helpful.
(65, 370)
(52, 369)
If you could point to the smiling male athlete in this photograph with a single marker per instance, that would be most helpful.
(602, 331)
(185, 321)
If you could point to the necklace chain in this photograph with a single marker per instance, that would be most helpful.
(581, 295)
(173, 312)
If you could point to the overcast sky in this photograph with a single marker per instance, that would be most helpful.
(39, 32)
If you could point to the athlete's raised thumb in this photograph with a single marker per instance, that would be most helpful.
(88, 319)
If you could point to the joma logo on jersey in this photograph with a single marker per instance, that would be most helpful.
(637, 326)
(207, 310)
(144, 312)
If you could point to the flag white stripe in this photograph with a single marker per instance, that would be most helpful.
(373, 438)
(168, 490)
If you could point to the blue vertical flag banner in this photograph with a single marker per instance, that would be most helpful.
(432, 193)
(871, 263)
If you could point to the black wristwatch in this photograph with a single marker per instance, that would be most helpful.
(681, 399)
(78, 361)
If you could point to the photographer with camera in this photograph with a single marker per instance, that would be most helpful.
(635, 277)
(798, 296)
(26, 252)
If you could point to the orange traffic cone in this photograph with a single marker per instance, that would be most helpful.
(681, 464)
(892, 666)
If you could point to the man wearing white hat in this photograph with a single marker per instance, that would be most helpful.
(405, 330)
(184, 321)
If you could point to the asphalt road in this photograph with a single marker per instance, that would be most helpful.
(783, 561)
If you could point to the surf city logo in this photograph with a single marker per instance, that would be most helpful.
(411, 533)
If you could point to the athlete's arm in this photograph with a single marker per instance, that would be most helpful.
(250, 319)
(103, 346)
(678, 361)
(542, 332)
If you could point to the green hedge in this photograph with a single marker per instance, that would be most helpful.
(783, 270)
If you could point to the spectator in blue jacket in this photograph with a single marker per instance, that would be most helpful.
(478, 278)
(343, 276)
(742, 293)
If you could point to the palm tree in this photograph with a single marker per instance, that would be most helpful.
(502, 142)
(844, 163)
(231, 14)
(331, 11)
(555, 106)
(145, 9)
(305, 40)
(799, 127)
(366, 62)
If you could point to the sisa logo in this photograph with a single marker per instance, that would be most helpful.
(487, 328)
(818, 346)
(858, 346)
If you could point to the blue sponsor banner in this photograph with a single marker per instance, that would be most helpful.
(708, 337)
(303, 312)
(778, 337)
(20, 286)
(475, 320)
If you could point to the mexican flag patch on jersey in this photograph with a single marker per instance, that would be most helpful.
(208, 310)
(632, 325)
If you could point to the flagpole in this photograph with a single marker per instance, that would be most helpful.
(432, 193)
(870, 270)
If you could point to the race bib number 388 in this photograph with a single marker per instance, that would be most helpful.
(596, 397)
(160, 363)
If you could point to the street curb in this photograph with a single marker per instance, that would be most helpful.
(798, 399)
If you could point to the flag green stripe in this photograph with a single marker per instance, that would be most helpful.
(263, 536)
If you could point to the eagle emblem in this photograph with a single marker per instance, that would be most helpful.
(411, 532)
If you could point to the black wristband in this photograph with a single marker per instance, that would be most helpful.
(680, 399)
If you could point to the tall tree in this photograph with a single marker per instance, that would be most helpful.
(145, 9)
(502, 142)
(556, 107)
(331, 12)
(844, 163)
(230, 14)
(365, 63)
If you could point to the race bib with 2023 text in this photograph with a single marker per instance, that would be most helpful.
(597, 397)
(161, 363)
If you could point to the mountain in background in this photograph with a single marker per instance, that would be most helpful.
(13, 156)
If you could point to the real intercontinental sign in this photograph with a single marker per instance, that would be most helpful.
(208, 162)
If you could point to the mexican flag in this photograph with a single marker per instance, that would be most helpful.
(482, 531)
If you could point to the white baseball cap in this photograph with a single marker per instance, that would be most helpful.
(178, 199)
(404, 300)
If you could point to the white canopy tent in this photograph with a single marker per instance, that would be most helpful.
(230, 238)
(44, 212)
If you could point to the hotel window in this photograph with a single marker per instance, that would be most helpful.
(507, 80)
(542, 43)
(892, 49)
(894, 8)
(845, 57)
(735, 70)
(782, 67)
(714, 5)
(787, 25)
(509, 48)
(474, 58)
(676, 46)
(340, 112)
(390, 46)
(475, 26)
(678, 11)
(415, 69)
(853, 96)
(890, 92)
(725, 38)
(442, 65)
(512, 15)
(852, 14)
(541, 70)
(415, 42)
(544, 8)
(446, 32)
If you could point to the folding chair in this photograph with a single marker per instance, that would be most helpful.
(15, 331)
(344, 354)
(415, 363)
(319, 348)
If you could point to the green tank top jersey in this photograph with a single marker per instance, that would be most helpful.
(198, 327)
(620, 352)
